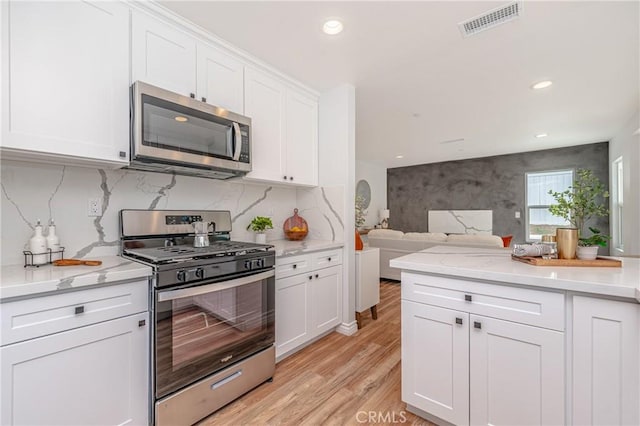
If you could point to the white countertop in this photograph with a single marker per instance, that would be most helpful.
(292, 248)
(20, 282)
(496, 265)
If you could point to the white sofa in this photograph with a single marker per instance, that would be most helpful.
(394, 244)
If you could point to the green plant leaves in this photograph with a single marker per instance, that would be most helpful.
(260, 224)
(582, 201)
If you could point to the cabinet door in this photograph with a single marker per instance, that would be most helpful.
(264, 103)
(293, 314)
(66, 79)
(326, 299)
(517, 374)
(220, 79)
(93, 375)
(301, 138)
(605, 362)
(435, 361)
(162, 55)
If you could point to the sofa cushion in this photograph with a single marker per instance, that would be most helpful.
(426, 236)
(476, 239)
(385, 233)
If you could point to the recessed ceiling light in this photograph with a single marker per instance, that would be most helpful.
(542, 84)
(541, 135)
(399, 156)
(181, 119)
(332, 27)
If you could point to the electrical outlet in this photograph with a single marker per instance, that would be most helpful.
(94, 207)
(517, 214)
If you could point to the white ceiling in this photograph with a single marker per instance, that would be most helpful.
(420, 83)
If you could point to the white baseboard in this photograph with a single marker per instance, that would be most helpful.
(347, 329)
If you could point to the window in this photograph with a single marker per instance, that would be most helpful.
(617, 204)
(539, 221)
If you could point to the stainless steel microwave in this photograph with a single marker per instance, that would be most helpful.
(172, 133)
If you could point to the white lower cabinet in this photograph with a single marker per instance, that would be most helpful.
(326, 298)
(96, 374)
(293, 315)
(606, 346)
(435, 361)
(466, 368)
(308, 298)
(516, 373)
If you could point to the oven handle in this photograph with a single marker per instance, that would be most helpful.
(165, 296)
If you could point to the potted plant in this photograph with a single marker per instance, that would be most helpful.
(588, 247)
(581, 202)
(259, 225)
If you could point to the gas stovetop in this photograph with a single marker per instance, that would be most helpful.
(182, 252)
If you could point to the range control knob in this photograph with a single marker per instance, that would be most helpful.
(247, 264)
(200, 273)
(182, 276)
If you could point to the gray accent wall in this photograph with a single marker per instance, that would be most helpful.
(490, 183)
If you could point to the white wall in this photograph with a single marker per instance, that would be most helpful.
(626, 144)
(376, 176)
(336, 153)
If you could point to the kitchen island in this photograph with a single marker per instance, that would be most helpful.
(487, 340)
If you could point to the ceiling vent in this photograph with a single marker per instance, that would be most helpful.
(491, 19)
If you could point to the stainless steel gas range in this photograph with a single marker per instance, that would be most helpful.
(213, 304)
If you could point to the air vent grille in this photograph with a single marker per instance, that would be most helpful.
(491, 19)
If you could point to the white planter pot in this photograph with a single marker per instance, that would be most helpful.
(587, 253)
(261, 238)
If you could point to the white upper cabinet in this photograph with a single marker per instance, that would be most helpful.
(265, 103)
(65, 81)
(302, 138)
(284, 131)
(166, 57)
(220, 79)
(162, 55)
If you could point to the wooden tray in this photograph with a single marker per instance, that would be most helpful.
(538, 261)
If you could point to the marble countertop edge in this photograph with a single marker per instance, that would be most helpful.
(19, 282)
(615, 282)
(284, 248)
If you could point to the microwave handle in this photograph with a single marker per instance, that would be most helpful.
(237, 138)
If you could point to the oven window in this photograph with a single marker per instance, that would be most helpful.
(198, 335)
(177, 128)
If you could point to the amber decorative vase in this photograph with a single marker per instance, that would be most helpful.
(359, 243)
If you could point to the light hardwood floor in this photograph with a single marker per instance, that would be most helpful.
(338, 380)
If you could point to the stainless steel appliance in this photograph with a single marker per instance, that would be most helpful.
(177, 134)
(213, 310)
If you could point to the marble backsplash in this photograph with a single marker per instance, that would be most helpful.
(33, 191)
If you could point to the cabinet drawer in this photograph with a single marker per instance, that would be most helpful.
(288, 266)
(325, 259)
(40, 316)
(526, 306)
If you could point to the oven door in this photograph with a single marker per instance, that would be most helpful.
(203, 328)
